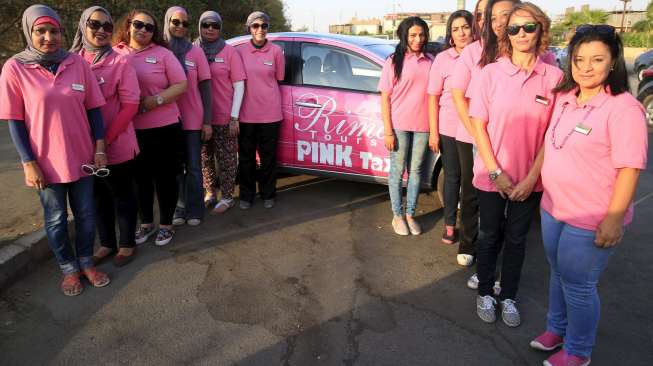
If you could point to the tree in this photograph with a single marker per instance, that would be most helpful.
(577, 18)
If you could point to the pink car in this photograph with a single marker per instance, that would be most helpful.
(332, 122)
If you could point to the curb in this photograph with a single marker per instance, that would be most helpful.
(21, 256)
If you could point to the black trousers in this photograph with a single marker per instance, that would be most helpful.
(508, 222)
(451, 166)
(261, 137)
(157, 167)
(115, 199)
(468, 200)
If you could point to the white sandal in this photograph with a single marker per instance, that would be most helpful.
(223, 205)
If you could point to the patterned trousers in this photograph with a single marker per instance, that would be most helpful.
(223, 149)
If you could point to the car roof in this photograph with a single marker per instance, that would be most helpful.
(354, 40)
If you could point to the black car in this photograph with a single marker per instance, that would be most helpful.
(645, 93)
(642, 62)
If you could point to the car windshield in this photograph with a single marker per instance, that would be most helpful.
(381, 50)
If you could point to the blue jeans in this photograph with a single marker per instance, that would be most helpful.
(190, 204)
(576, 265)
(55, 214)
(410, 151)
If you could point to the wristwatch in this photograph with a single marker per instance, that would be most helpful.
(495, 174)
(159, 100)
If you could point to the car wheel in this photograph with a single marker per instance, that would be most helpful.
(640, 72)
(440, 186)
(648, 106)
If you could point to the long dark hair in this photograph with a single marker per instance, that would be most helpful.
(469, 18)
(121, 33)
(490, 41)
(617, 80)
(402, 46)
(476, 31)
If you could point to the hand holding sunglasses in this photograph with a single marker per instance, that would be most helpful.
(138, 25)
(513, 29)
(92, 170)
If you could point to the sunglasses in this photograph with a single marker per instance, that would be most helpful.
(96, 25)
(601, 29)
(138, 25)
(513, 29)
(264, 26)
(91, 170)
(215, 26)
(179, 23)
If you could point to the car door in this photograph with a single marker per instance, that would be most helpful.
(337, 113)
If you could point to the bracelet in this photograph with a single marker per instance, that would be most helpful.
(100, 153)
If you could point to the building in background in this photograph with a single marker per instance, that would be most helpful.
(461, 5)
(437, 23)
(630, 18)
(358, 27)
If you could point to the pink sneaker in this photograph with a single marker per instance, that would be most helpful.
(562, 358)
(547, 341)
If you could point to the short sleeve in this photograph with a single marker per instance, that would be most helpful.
(203, 69)
(628, 138)
(436, 79)
(462, 71)
(479, 105)
(387, 77)
(129, 91)
(93, 97)
(11, 95)
(174, 71)
(281, 64)
(236, 68)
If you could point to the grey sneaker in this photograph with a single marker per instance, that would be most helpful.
(245, 205)
(485, 308)
(268, 203)
(143, 233)
(179, 218)
(510, 313)
(413, 225)
(472, 283)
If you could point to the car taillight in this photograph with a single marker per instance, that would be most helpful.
(647, 73)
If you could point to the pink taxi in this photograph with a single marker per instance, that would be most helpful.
(332, 122)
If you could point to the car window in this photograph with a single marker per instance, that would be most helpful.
(285, 46)
(334, 67)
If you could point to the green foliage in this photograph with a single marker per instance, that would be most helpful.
(640, 35)
(632, 39)
(234, 14)
(575, 19)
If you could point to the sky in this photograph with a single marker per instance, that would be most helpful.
(318, 14)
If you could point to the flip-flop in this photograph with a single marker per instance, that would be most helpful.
(71, 285)
(95, 277)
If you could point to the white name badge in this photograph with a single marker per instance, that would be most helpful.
(219, 60)
(150, 60)
(581, 128)
(542, 100)
(190, 63)
(78, 87)
(269, 63)
(101, 81)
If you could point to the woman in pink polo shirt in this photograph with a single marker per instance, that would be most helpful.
(404, 106)
(467, 69)
(594, 150)
(162, 81)
(445, 122)
(260, 117)
(115, 199)
(227, 91)
(52, 102)
(510, 110)
(195, 109)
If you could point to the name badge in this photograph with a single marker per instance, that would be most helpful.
(78, 87)
(581, 128)
(542, 100)
(101, 81)
(150, 60)
(219, 60)
(190, 63)
(268, 63)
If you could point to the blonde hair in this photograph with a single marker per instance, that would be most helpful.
(543, 40)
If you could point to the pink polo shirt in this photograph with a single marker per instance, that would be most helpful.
(54, 110)
(549, 58)
(190, 103)
(516, 107)
(119, 85)
(265, 68)
(464, 71)
(226, 69)
(157, 68)
(408, 98)
(440, 81)
(579, 177)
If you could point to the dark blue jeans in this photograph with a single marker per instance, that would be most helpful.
(191, 193)
(55, 213)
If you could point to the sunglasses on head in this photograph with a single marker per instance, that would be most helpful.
(513, 29)
(264, 26)
(137, 24)
(96, 25)
(601, 29)
(178, 23)
(215, 26)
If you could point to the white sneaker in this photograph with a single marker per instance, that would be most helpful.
(510, 313)
(178, 221)
(465, 259)
(485, 308)
(400, 226)
(472, 283)
(193, 222)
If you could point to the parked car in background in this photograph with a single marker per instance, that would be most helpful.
(332, 124)
(645, 93)
(642, 62)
